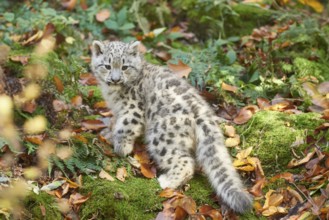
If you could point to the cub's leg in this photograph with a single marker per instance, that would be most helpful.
(127, 128)
(171, 146)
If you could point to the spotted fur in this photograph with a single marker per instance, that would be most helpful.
(179, 126)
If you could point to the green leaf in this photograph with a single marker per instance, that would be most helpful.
(254, 77)
(231, 55)
(9, 16)
(127, 26)
(48, 11)
(113, 25)
(122, 16)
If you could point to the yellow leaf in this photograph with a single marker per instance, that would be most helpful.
(247, 168)
(244, 153)
(104, 175)
(316, 5)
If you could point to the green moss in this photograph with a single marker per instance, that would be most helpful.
(136, 198)
(33, 202)
(250, 17)
(251, 216)
(304, 67)
(271, 135)
(200, 190)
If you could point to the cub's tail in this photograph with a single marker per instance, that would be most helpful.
(216, 162)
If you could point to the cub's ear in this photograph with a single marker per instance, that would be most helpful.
(97, 48)
(133, 47)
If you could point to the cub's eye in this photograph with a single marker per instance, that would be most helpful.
(108, 67)
(124, 67)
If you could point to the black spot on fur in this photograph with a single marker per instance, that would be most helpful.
(221, 177)
(120, 131)
(171, 135)
(137, 115)
(164, 125)
(132, 106)
(140, 105)
(176, 108)
(172, 120)
(169, 141)
(163, 152)
(199, 121)
(125, 122)
(209, 140)
(148, 114)
(205, 129)
(155, 142)
(153, 98)
(173, 82)
(169, 161)
(134, 121)
(177, 127)
(162, 137)
(187, 121)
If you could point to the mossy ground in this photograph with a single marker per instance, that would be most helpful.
(271, 134)
(33, 203)
(136, 198)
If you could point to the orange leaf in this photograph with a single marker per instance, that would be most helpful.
(228, 87)
(263, 103)
(286, 175)
(180, 69)
(256, 190)
(80, 138)
(77, 198)
(245, 114)
(58, 84)
(35, 139)
(69, 5)
(121, 174)
(295, 162)
(29, 106)
(101, 104)
(93, 124)
(148, 171)
(88, 79)
(180, 213)
(169, 193)
(102, 15)
(76, 101)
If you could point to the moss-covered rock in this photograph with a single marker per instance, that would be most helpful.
(33, 203)
(271, 134)
(250, 17)
(136, 198)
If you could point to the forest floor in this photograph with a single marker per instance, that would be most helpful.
(264, 67)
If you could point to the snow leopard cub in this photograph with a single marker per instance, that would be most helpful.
(179, 126)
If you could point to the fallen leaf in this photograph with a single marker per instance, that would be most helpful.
(101, 104)
(102, 15)
(180, 69)
(53, 185)
(244, 153)
(245, 114)
(93, 124)
(148, 170)
(88, 79)
(163, 55)
(121, 174)
(294, 162)
(35, 139)
(256, 190)
(232, 142)
(105, 175)
(180, 213)
(29, 106)
(270, 211)
(33, 39)
(76, 101)
(23, 59)
(169, 193)
(77, 198)
(59, 105)
(286, 175)
(263, 103)
(323, 88)
(58, 83)
(228, 87)
(69, 4)
(315, 4)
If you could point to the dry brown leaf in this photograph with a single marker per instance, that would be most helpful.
(286, 175)
(228, 87)
(256, 190)
(294, 162)
(121, 174)
(93, 124)
(88, 79)
(263, 103)
(169, 193)
(29, 106)
(76, 101)
(163, 55)
(180, 213)
(102, 15)
(35, 139)
(23, 59)
(69, 4)
(323, 88)
(229, 131)
(34, 38)
(148, 170)
(275, 199)
(232, 142)
(105, 175)
(180, 69)
(77, 198)
(270, 211)
(245, 114)
(59, 105)
(58, 83)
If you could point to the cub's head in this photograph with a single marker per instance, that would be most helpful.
(116, 63)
